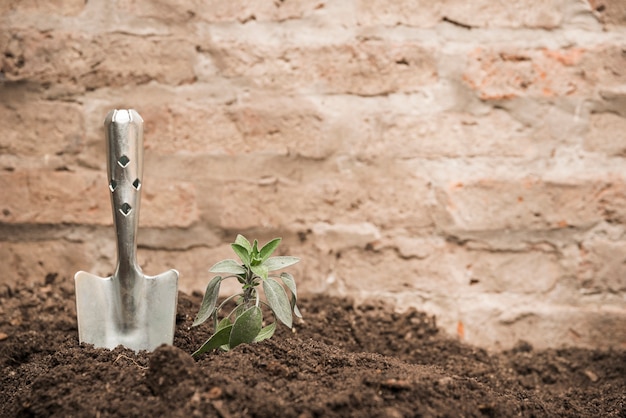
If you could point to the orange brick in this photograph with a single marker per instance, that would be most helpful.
(55, 7)
(38, 128)
(259, 125)
(532, 204)
(384, 195)
(221, 11)
(611, 12)
(607, 134)
(498, 74)
(450, 135)
(41, 197)
(89, 62)
(601, 267)
(370, 67)
(481, 13)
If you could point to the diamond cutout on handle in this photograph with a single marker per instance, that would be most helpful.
(125, 209)
(123, 161)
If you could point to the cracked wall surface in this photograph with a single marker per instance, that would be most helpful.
(463, 158)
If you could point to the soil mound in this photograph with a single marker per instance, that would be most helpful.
(341, 361)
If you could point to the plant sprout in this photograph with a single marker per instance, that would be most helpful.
(244, 323)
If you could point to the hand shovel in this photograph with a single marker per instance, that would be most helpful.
(127, 308)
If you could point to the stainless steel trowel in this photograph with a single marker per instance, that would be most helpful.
(127, 308)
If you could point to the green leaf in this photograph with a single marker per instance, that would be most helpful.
(277, 263)
(278, 301)
(260, 270)
(208, 301)
(296, 310)
(217, 340)
(266, 332)
(241, 240)
(227, 266)
(239, 310)
(242, 253)
(223, 324)
(255, 258)
(290, 282)
(269, 248)
(246, 327)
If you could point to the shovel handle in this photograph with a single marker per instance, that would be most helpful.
(124, 147)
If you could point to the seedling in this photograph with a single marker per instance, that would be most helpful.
(244, 323)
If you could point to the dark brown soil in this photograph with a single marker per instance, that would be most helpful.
(342, 361)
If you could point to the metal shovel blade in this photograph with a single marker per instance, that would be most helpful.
(127, 308)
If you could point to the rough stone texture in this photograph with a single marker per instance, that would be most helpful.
(607, 134)
(89, 62)
(219, 11)
(55, 7)
(60, 197)
(532, 204)
(610, 11)
(464, 158)
(481, 13)
(361, 67)
(40, 129)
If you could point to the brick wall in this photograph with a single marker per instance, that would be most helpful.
(463, 157)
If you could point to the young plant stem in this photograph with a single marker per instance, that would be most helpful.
(250, 291)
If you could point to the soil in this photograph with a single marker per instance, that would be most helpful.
(343, 360)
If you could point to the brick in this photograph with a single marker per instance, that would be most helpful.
(466, 272)
(178, 239)
(502, 322)
(337, 237)
(613, 100)
(220, 11)
(169, 204)
(409, 13)
(29, 262)
(543, 73)
(359, 273)
(204, 129)
(602, 266)
(531, 204)
(164, 10)
(611, 12)
(54, 7)
(383, 195)
(59, 57)
(367, 67)
(482, 13)
(506, 74)
(530, 272)
(607, 134)
(526, 13)
(37, 128)
(40, 197)
(415, 247)
(450, 135)
(604, 66)
(283, 125)
(258, 125)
